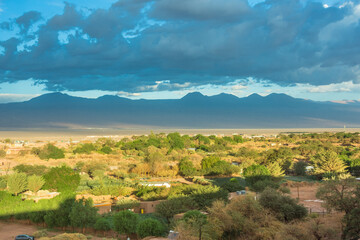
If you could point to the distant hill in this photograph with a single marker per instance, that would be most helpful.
(56, 110)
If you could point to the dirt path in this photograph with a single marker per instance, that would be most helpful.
(307, 196)
(11, 230)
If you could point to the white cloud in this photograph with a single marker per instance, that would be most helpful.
(128, 94)
(10, 97)
(333, 87)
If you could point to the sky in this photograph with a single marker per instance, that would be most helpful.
(164, 49)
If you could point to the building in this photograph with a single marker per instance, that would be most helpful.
(147, 206)
(156, 184)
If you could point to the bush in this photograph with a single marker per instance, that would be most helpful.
(102, 224)
(284, 207)
(261, 185)
(31, 169)
(49, 151)
(150, 227)
(86, 148)
(173, 206)
(125, 222)
(232, 185)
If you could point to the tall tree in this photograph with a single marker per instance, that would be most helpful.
(35, 183)
(16, 183)
(83, 214)
(328, 162)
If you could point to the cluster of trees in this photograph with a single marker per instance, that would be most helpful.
(242, 218)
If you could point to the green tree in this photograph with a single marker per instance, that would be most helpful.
(62, 179)
(328, 162)
(60, 217)
(86, 148)
(300, 168)
(102, 224)
(284, 207)
(186, 168)
(344, 196)
(169, 208)
(35, 183)
(31, 169)
(256, 173)
(83, 214)
(175, 140)
(150, 227)
(50, 151)
(16, 183)
(275, 169)
(197, 219)
(209, 162)
(125, 222)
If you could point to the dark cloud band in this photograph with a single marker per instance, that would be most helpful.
(136, 43)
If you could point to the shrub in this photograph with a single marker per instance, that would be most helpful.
(86, 148)
(49, 151)
(102, 224)
(83, 214)
(125, 222)
(150, 227)
(261, 185)
(284, 207)
(31, 169)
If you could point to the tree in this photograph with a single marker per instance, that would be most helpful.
(31, 169)
(49, 151)
(300, 168)
(125, 222)
(328, 162)
(83, 214)
(60, 217)
(150, 227)
(343, 195)
(196, 219)
(173, 206)
(102, 224)
(35, 183)
(284, 207)
(175, 140)
(256, 173)
(186, 168)
(16, 183)
(62, 179)
(275, 169)
(209, 162)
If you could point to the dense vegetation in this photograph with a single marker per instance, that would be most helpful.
(212, 167)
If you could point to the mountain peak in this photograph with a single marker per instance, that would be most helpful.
(193, 96)
(255, 95)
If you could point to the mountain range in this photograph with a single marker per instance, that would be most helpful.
(58, 110)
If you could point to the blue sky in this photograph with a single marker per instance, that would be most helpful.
(168, 48)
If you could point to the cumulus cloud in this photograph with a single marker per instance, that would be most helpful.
(142, 46)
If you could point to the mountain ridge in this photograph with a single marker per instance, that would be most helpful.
(194, 110)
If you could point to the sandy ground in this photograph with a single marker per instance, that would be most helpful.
(307, 197)
(11, 230)
(82, 134)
